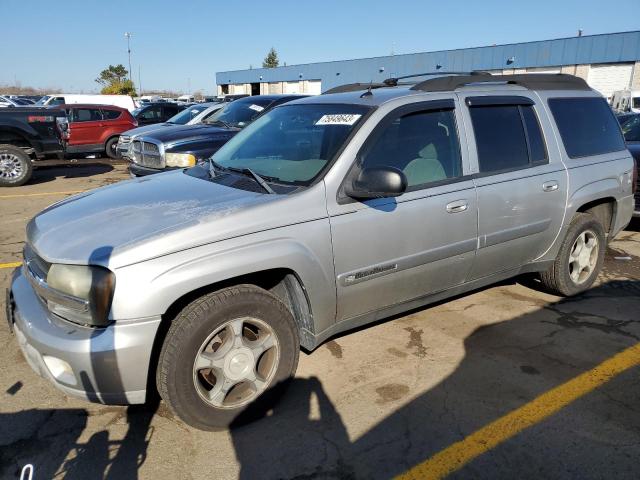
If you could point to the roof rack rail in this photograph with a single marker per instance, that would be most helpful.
(532, 81)
(354, 87)
(393, 81)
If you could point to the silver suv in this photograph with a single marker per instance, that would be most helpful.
(324, 214)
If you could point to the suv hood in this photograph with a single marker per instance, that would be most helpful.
(183, 132)
(148, 128)
(144, 218)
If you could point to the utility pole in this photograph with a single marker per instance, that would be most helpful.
(139, 82)
(188, 85)
(128, 37)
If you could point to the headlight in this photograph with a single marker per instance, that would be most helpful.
(91, 286)
(180, 160)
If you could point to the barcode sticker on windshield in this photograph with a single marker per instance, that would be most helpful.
(257, 108)
(339, 119)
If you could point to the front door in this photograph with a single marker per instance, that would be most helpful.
(394, 250)
(521, 183)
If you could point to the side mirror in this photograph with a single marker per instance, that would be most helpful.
(378, 182)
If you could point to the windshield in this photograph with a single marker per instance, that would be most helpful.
(187, 114)
(43, 100)
(292, 143)
(631, 129)
(238, 114)
(636, 102)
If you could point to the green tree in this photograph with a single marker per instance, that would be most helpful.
(271, 60)
(114, 81)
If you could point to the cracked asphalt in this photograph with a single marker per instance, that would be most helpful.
(369, 404)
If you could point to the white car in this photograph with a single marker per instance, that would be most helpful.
(123, 101)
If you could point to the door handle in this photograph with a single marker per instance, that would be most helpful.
(457, 206)
(550, 186)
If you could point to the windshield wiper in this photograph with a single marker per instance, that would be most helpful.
(261, 180)
(213, 166)
(223, 123)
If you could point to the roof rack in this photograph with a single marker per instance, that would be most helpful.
(354, 87)
(393, 81)
(532, 81)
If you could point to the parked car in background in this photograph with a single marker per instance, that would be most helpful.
(96, 128)
(323, 215)
(630, 125)
(5, 102)
(231, 98)
(123, 101)
(27, 135)
(626, 101)
(158, 112)
(190, 115)
(184, 146)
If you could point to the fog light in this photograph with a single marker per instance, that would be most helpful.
(60, 370)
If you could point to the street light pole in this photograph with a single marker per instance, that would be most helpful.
(128, 37)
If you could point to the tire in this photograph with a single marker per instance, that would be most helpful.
(565, 277)
(196, 393)
(15, 166)
(110, 148)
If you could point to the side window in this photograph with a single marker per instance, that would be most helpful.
(86, 115)
(151, 113)
(424, 145)
(587, 126)
(110, 114)
(508, 137)
(169, 111)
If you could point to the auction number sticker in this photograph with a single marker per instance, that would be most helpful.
(257, 108)
(339, 119)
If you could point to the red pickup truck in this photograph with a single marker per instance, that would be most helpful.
(96, 128)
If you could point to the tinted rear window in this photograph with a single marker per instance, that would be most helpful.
(110, 114)
(587, 126)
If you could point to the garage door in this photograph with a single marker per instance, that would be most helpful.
(292, 87)
(608, 78)
(314, 87)
(543, 70)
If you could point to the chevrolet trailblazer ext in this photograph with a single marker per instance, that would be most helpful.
(324, 214)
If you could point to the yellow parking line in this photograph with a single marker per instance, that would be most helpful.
(10, 265)
(71, 192)
(459, 454)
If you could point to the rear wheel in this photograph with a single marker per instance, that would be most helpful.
(110, 148)
(580, 258)
(15, 166)
(226, 352)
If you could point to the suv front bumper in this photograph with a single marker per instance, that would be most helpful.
(136, 170)
(108, 365)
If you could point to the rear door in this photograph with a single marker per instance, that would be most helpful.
(86, 125)
(521, 181)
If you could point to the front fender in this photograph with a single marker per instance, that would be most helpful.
(150, 288)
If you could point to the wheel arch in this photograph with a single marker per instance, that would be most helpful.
(284, 283)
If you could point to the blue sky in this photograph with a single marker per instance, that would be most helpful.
(180, 44)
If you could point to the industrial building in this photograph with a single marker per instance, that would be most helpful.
(608, 62)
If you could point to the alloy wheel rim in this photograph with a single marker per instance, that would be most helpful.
(10, 166)
(236, 363)
(583, 257)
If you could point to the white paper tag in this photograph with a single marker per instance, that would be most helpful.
(257, 108)
(339, 119)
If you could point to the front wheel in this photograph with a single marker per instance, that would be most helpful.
(110, 148)
(580, 258)
(15, 166)
(225, 352)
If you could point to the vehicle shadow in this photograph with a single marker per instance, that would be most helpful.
(505, 366)
(81, 169)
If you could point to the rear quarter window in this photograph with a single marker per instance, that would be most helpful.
(587, 126)
(111, 114)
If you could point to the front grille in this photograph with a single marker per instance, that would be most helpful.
(147, 154)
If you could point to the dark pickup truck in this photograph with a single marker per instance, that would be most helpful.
(27, 135)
